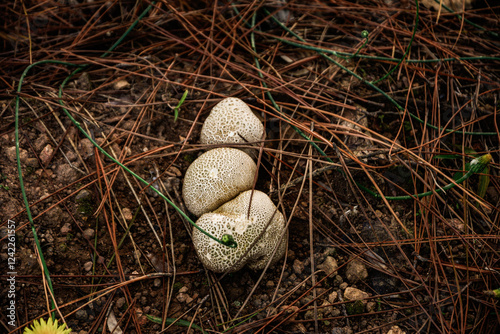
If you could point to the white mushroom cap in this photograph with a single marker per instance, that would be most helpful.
(231, 218)
(229, 122)
(216, 177)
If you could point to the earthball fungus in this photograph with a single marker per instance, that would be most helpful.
(216, 177)
(231, 121)
(255, 224)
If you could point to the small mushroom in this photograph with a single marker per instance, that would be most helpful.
(245, 226)
(216, 177)
(231, 121)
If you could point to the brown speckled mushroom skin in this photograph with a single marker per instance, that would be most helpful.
(231, 218)
(231, 121)
(216, 177)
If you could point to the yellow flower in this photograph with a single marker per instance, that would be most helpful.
(49, 327)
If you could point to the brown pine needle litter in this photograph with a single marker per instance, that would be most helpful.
(381, 150)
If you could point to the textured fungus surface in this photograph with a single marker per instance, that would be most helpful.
(216, 177)
(231, 218)
(231, 121)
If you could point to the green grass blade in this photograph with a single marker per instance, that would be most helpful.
(181, 101)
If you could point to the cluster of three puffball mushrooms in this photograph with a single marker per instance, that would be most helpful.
(218, 189)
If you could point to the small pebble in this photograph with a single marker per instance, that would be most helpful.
(332, 297)
(32, 162)
(355, 294)
(81, 315)
(86, 148)
(184, 297)
(40, 142)
(120, 302)
(127, 214)
(46, 154)
(66, 174)
(88, 233)
(299, 328)
(370, 306)
(290, 310)
(11, 154)
(66, 229)
(87, 266)
(356, 271)
(298, 267)
(329, 266)
(396, 330)
(338, 280)
(121, 84)
(49, 238)
(83, 195)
